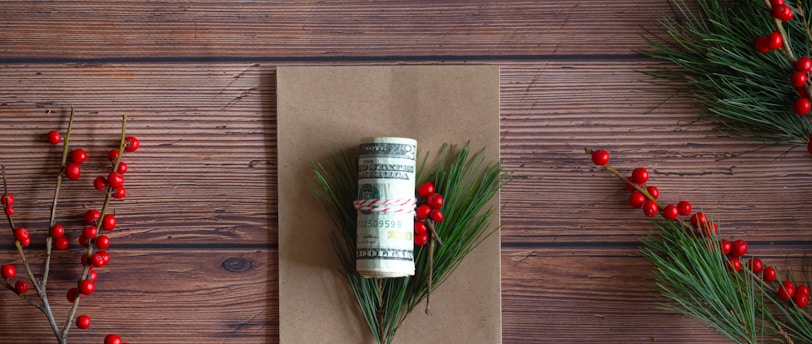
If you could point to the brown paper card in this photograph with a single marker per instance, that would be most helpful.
(322, 109)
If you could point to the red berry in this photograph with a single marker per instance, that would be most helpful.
(639, 176)
(78, 156)
(774, 40)
(436, 215)
(653, 191)
(761, 45)
(739, 248)
(84, 242)
(637, 199)
(9, 211)
(73, 294)
(105, 257)
(8, 271)
(699, 219)
(803, 64)
(109, 222)
(100, 183)
(734, 264)
(650, 208)
(786, 290)
(802, 289)
(776, 2)
(100, 259)
(422, 212)
(131, 144)
(83, 322)
(670, 212)
(420, 228)
(112, 155)
(54, 137)
(726, 246)
(87, 287)
(73, 171)
(91, 216)
(802, 106)
(435, 201)
(103, 242)
(92, 276)
(112, 339)
(21, 234)
(119, 192)
(115, 179)
(90, 232)
(57, 231)
(755, 265)
(800, 300)
(61, 243)
(798, 79)
(600, 157)
(421, 239)
(783, 12)
(770, 274)
(425, 190)
(122, 167)
(7, 199)
(21, 286)
(684, 208)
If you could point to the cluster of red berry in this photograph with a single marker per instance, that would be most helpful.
(774, 40)
(646, 197)
(428, 210)
(8, 272)
(7, 200)
(801, 66)
(95, 221)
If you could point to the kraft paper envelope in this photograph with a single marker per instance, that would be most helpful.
(322, 109)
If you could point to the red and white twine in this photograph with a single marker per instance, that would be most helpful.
(402, 205)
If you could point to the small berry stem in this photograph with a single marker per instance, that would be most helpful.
(45, 307)
(434, 235)
(431, 271)
(55, 201)
(628, 182)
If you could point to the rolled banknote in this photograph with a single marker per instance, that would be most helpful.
(385, 203)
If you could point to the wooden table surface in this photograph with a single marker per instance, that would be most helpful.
(195, 257)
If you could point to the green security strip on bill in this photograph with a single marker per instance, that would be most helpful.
(386, 184)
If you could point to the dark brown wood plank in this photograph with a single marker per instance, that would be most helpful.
(160, 296)
(317, 30)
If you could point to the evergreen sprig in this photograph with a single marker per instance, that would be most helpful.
(747, 93)
(468, 181)
(698, 279)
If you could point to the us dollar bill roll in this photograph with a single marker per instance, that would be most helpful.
(385, 203)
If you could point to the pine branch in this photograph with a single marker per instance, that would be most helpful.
(747, 93)
(468, 182)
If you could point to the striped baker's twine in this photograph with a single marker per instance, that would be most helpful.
(403, 205)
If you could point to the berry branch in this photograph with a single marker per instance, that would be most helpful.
(704, 275)
(57, 238)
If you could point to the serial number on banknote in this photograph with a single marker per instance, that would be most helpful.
(372, 223)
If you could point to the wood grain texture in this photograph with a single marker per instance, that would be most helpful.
(319, 30)
(195, 255)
